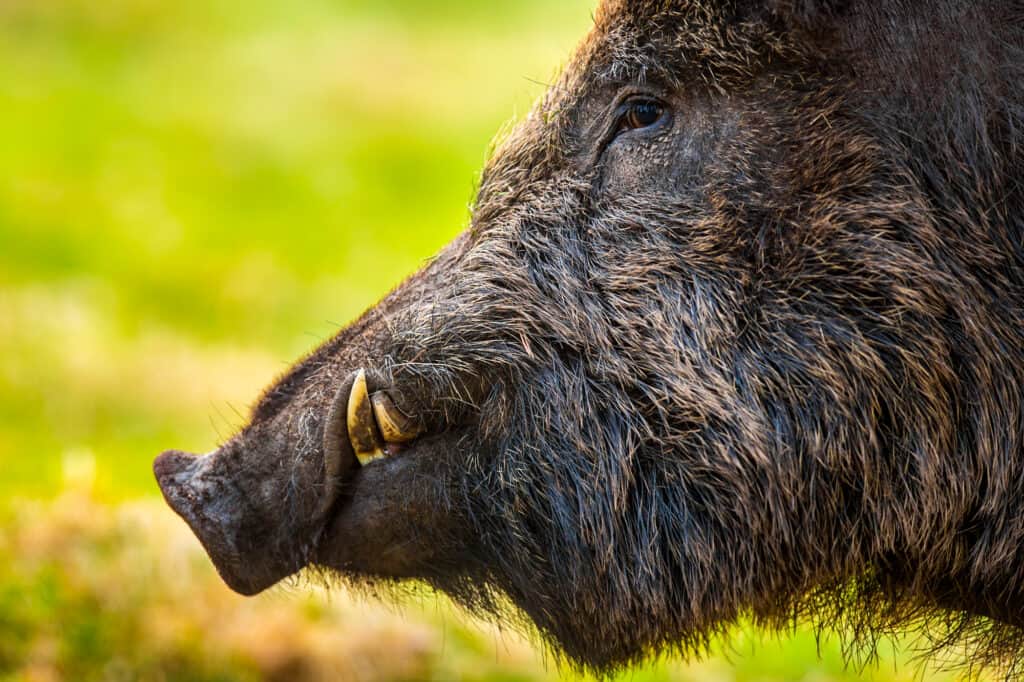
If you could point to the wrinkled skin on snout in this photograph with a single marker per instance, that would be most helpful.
(735, 331)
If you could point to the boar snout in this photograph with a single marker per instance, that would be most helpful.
(260, 504)
(211, 509)
(230, 512)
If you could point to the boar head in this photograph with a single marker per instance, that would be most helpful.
(728, 335)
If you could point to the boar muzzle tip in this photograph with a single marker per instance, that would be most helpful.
(170, 465)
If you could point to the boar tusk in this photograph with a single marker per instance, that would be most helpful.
(362, 431)
(394, 425)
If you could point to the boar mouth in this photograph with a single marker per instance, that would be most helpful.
(261, 516)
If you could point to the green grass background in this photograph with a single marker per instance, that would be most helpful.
(192, 194)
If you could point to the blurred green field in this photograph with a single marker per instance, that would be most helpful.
(192, 194)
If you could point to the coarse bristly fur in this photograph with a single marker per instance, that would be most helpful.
(763, 358)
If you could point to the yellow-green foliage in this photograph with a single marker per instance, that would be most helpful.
(191, 195)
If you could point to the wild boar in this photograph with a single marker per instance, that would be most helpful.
(736, 330)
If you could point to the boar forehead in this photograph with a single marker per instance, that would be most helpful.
(717, 45)
(692, 50)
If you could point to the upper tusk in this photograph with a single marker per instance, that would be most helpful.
(394, 425)
(362, 431)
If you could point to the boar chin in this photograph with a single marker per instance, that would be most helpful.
(249, 553)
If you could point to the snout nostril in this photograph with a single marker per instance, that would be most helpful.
(170, 464)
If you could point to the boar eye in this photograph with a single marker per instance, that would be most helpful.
(639, 114)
